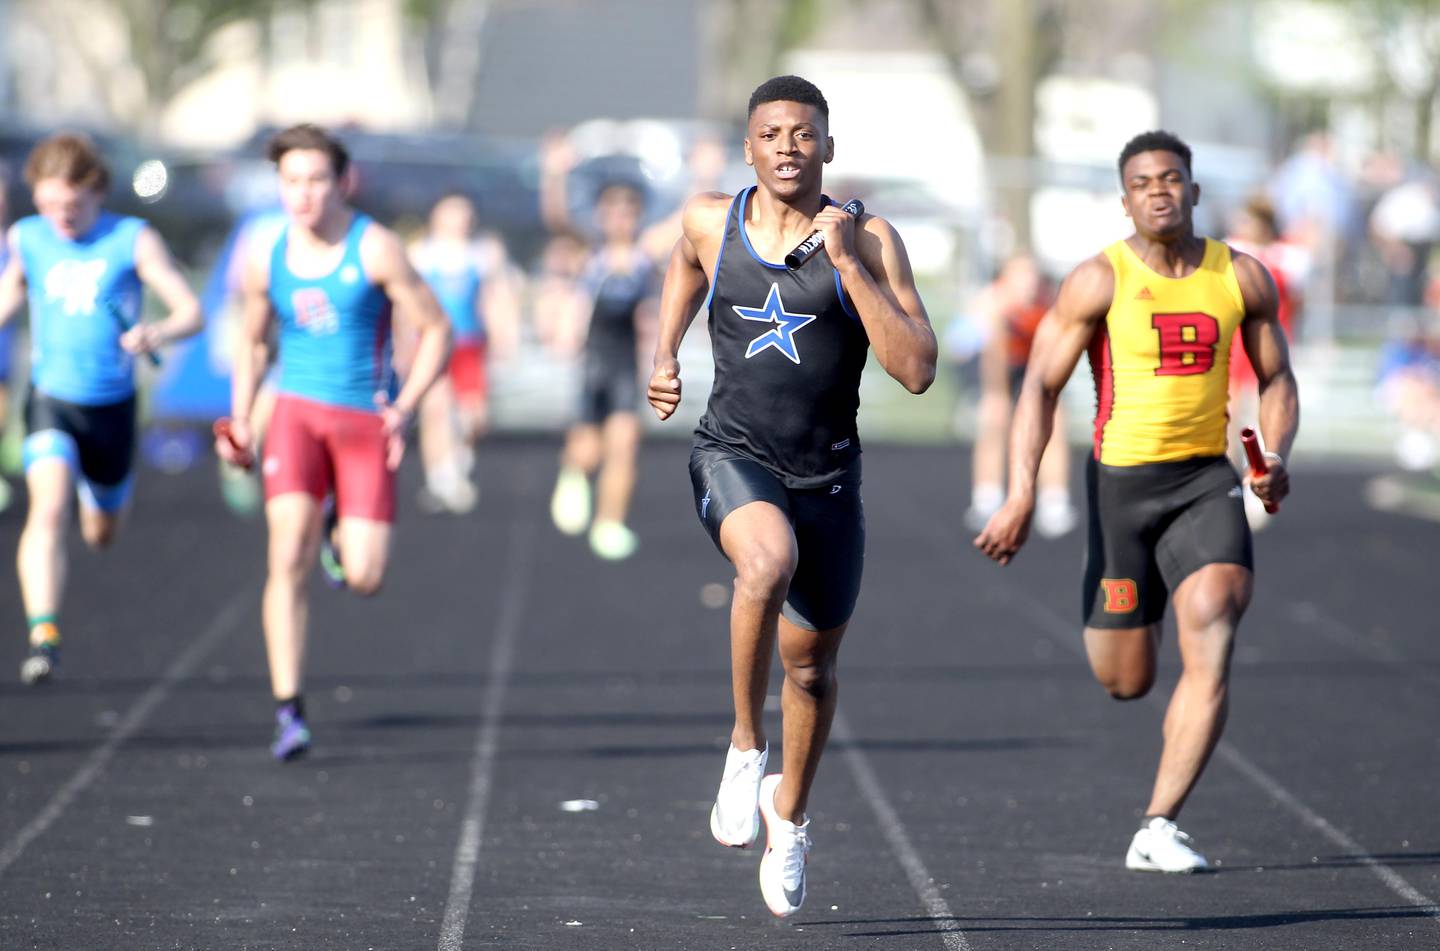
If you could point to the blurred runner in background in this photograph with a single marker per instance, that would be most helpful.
(619, 279)
(1011, 308)
(471, 276)
(83, 269)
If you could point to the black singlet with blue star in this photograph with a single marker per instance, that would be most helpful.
(788, 349)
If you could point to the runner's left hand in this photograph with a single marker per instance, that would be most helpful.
(396, 423)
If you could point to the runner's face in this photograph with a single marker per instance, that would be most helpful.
(452, 219)
(309, 189)
(788, 143)
(70, 209)
(618, 214)
(1159, 195)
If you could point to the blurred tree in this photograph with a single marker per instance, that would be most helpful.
(166, 44)
(998, 51)
(1405, 35)
(748, 39)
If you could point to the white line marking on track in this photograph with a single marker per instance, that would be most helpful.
(180, 668)
(894, 831)
(1313, 617)
(487, 741)
(1066, 634)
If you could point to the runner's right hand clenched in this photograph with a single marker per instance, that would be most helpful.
(664, 389)
(1006, 531)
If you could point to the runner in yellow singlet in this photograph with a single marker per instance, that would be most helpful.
(1156, 313)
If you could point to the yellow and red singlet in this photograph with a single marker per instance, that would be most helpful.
(1161, 360)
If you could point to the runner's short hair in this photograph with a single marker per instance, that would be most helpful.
(69, 156)
(789, 89)
(1157, 140)
(308, 136)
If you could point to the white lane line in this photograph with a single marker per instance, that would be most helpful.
(180, 668)
(487, 741)
(1389, 876)
(1067, 634)
(1314, 618)
(894, 831)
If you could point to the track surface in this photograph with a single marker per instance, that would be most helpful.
(980, 793)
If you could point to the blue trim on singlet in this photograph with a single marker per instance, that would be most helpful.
(840, 293)
(745, 235)
(715, 275)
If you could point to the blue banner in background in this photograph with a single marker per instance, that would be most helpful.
(194, 384)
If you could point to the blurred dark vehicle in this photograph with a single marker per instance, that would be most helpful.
(193, 197)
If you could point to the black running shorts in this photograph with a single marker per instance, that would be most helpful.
(829, 526)
(104, 436)
(1151, 526)
(609, 384)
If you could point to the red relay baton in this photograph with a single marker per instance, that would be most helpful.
(1250, 439)
(222, 431)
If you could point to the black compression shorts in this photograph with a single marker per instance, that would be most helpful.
(829, 526)
(1151, 527)
(104, 436)
(609, 385)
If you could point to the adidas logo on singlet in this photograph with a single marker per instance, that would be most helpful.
(1144, 294)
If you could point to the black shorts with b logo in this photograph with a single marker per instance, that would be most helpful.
(1151, 527)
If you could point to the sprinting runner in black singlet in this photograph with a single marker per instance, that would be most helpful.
(776, 464)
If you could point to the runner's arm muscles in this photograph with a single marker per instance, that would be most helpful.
(1063, 334)
(12, 280)
(882, 288)
(158, 272)
(1269, 354)
(252, 350)
(686, 282)
(387, 265)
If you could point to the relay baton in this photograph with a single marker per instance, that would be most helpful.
(127, 324)
(1250, 439)
(807, 248)
(222, 431)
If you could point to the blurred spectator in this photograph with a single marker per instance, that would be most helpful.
(1405, 225)
(1255, 231)
(1313, 197)
(705, 165)
(1012, 307)
(1410, 388)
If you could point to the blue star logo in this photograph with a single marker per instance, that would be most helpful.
(781, 336)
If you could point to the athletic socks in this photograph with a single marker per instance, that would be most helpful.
(295, 704)
(43, 630)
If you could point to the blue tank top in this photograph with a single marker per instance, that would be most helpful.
(83, 294)
(456, 281)
(334, 330)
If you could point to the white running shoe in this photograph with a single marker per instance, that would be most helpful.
(787, 850)
(612, 541)
(1161, 847)
(1055, 516)
(570, 504)
(735, 817)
